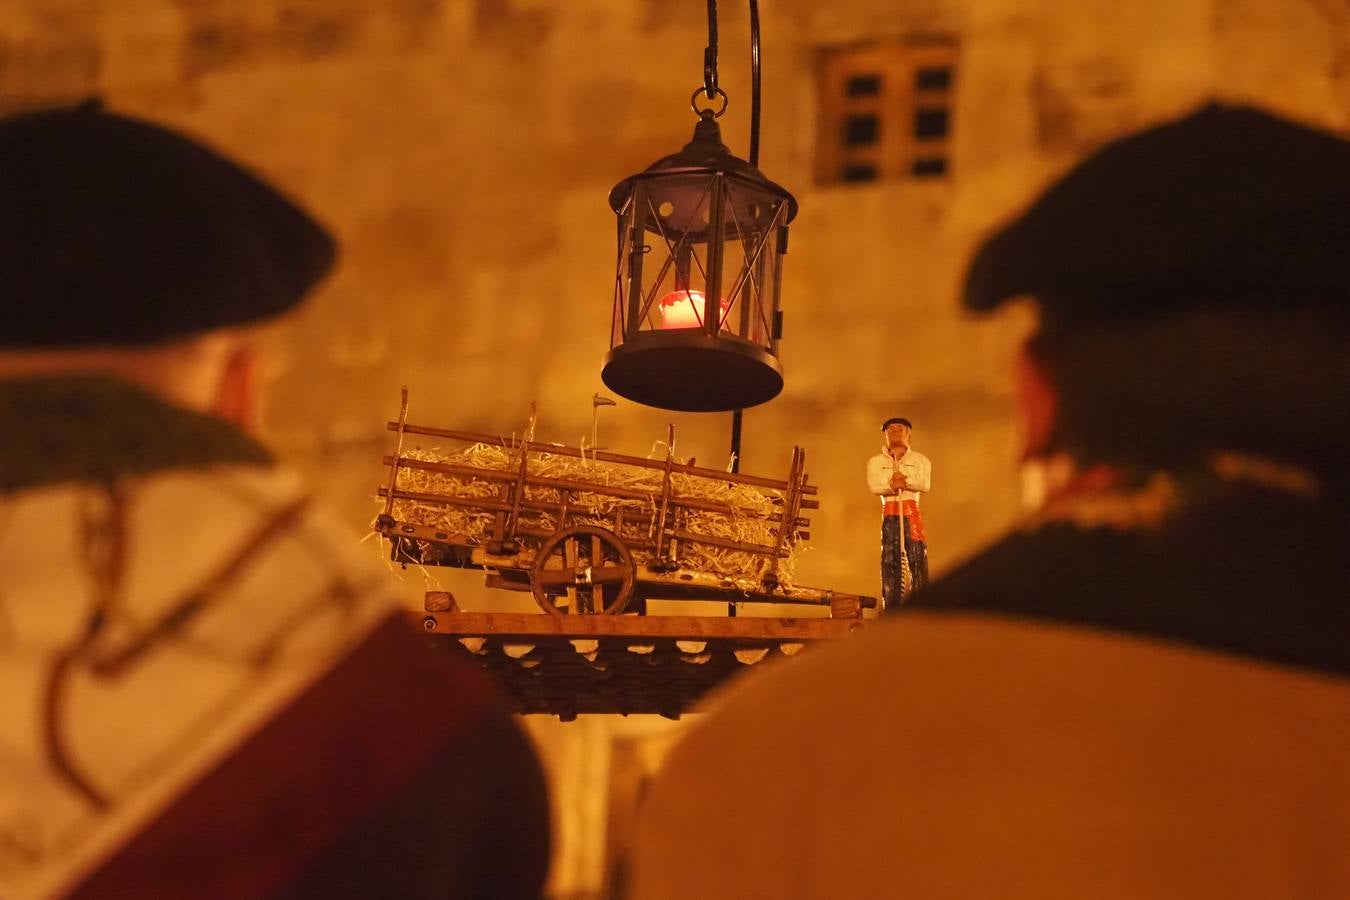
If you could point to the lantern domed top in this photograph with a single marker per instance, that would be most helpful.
(705, 154)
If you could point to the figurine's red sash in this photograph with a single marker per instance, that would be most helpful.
(911, 513)
(915, 519)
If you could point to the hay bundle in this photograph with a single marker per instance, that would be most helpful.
(753, 517)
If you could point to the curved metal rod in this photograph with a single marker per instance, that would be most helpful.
(754, 83)
(710, 53)
(738, 415)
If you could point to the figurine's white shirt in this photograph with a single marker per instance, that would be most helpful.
(913, 465)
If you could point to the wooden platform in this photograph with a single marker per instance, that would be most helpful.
(572, 665)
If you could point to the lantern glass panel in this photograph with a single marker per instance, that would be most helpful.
(677, 269)
(624, 272)
(664, 280)
(749, 266)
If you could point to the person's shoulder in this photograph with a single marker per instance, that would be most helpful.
(269, 503)
(279, 557)
(965, 708)
(998, 567)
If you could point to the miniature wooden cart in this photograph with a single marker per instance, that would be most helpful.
(577, 558)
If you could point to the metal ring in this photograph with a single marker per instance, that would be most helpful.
(717, 92)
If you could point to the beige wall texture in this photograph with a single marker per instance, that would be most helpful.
(463, 151)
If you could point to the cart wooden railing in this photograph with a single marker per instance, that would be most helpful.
(590, 567)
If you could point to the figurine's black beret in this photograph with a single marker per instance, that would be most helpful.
(118, 231)
(891, 421)
(1226, 207)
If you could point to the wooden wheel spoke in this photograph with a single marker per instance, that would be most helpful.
(553, 577)
(608, 574)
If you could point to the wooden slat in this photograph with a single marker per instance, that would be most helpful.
(601, 455)
(484, 503)
(786, 527)
(566, 484)
(427, 533)
(399, 427)
(488, 504)
(693, 584)
(523, 625)
(690, 537)
(517, 492)
(660, 535)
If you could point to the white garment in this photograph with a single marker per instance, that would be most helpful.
(140, 732)
(913, 465)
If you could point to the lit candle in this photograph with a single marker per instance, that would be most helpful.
(684, 309)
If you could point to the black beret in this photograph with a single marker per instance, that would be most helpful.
(1226, 207)
(118, 231)
(889, 422)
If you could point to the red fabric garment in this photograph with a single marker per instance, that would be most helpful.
(910, 510)
(238, 707)
(915, 520)
(363, 735)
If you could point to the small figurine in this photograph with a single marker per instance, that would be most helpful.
(898, 474)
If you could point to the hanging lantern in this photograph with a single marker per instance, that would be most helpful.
(701, 239)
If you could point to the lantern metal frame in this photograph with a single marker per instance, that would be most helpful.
(709, 225)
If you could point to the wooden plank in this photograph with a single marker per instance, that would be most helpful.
(660, 533)
(525, 625)
(488, 505)
(660, 586)
(601, 455)
(690, 537)
(426, 533)
(786, 527)
(500, 582)
(567, 484)
(483, 503)
(696, 584)
(517, 492)
(439, 535)
(398, 451)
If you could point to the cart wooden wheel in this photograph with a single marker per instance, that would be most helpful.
(582, 569)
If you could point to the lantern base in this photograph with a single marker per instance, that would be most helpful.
(689, 371)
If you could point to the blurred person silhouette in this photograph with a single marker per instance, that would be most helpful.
(207, 693)
(1142, 690)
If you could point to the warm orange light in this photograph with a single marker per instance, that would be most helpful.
(684, 309)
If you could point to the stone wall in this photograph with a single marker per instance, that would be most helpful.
(463, 151)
